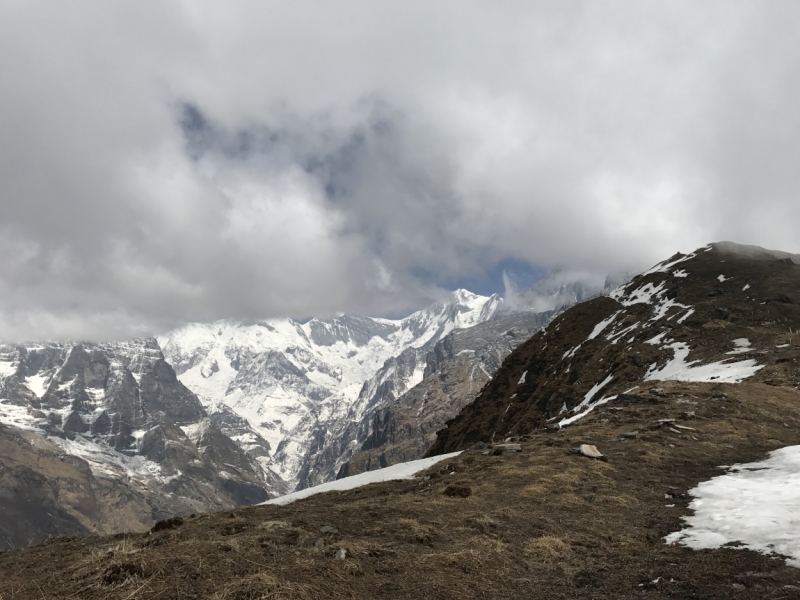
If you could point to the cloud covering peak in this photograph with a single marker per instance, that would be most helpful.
(171, 161)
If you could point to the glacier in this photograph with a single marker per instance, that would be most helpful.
(296, 386)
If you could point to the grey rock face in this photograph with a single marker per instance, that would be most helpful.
(356, 329)
(402, 428)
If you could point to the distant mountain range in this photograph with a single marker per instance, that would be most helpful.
(213, 415)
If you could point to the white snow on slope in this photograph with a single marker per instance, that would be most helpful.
(7, 368)
(665, 266)
(105, 462)
(405, 470)
(586, 402)
(598, 329)
(677, 369)
(575, 417)
(286, 378)
(741, 345)
(19, 417)
(642, 295)
(754, 504)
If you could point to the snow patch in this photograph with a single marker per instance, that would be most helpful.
(19, 417)
(405, 470)
(641, 295)
(665, 266)
(573, 418)
(598, 329)
(680, 273)
(677, 369)
(586, 400)
(754, 504)
(655, 341)
(723, 279)
(741, 345)
(7, 368)
(596, 388)
(38, 383)
(522, 379)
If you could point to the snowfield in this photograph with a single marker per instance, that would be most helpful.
(405, 470)
(755, 504)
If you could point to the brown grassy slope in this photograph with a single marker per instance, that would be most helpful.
(765, 313)
(544, 523)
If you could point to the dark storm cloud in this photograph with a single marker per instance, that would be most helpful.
(168, 161)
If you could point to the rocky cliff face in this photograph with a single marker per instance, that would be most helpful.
(136, 444)
(722, 314)
(457, 367)
(397, 428)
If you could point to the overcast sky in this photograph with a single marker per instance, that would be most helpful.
(169, 161)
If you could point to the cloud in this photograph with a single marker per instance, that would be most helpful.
(170, 161)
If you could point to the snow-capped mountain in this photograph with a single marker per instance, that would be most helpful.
(144, 445)
(295, 386)
(400, 429)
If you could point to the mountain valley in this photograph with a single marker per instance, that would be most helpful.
(579, 470)
(269, 408)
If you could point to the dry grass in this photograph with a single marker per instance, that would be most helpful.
(618, 500)
(421, 533)
(547, 548)
(589, 529)
(262, 586)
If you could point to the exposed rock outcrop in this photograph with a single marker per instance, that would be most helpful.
(710, 316)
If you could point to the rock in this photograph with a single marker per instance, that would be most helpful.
(319, 544)
(507, 448)
(500, 449)
(782, 298)
(269, 546)
(171, 523)
(328, 529)
(478, 446)
(628, 435)
(689, 414)
(657, 391)
(458, 491)
(723, 314)
(341, 554)
(590, 451)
